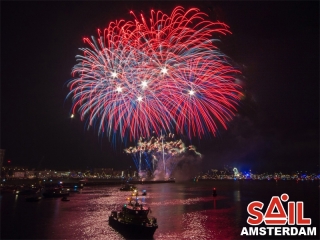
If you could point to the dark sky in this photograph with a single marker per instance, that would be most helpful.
(275, 43)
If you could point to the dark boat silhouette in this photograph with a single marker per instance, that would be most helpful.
(133, 221)
(54, 193)
(128, 187)
(33, 199)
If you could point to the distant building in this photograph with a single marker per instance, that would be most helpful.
(103, 172)
(30, 174)
(118, 173)
(19, 174)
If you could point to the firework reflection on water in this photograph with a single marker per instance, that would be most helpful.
(183, 210)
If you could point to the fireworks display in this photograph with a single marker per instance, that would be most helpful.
(160, 154)
(163, 73)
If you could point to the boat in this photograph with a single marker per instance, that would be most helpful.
(65, 199)
(128, 187)
(33, 199)
(27, 191)
(133, 221)
(144, 193)
(75, 190)
(54, 193)
(36, 197)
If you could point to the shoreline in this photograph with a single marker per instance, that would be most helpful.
(75, 182)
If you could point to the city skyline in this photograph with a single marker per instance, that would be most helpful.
(275, 44)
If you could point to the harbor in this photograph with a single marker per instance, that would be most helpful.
(78, 183)
(184, 210)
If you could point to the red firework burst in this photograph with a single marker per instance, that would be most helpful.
(164, 73)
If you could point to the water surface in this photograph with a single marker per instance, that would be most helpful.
(184, 210)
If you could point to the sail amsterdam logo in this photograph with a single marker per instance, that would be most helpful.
(293, 216)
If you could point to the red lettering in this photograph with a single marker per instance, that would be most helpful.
(300, 219)
(291, 213)
(276, 214)
(284, 197)
(275, 218)
(255, 213)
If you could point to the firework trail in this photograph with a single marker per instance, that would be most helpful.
(160, 154)
(153, 74)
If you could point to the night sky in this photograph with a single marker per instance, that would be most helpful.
(276, 45)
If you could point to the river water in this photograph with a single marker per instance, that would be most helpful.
(184, 210)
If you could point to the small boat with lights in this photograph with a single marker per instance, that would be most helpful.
(35, 198)
(65, 199)
(133, 221)
(55, 192)
(128, 187)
